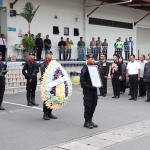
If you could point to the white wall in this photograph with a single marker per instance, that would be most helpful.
(3, 22)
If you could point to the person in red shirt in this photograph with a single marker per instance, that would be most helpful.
(47, 112)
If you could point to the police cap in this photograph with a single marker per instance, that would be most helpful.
(90, 55)
(49, 52)
(32, 53)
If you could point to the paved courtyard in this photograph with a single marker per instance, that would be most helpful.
(123, 124)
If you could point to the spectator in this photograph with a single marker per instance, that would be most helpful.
(105, 47)
(131, 43)
(116, 73)
(123, 79)
(99, 44)
(133, 74)
(68, 52)
(3, 46)
(93, 48)
(126, 49)
(115, 46)
(61, 46)
(32, 35)
(39, 46)
(147, 78)
(81, 49)
(119, 46)
(142, 84)
(47, 43)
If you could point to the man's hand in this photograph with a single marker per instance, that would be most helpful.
(105, 77)
(120, 78)
(138, 78)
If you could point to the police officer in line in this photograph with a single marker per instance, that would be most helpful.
(30, 70)
(146, 78)
(90, 94)
(2, 81)
(47, 112)
(103, 67)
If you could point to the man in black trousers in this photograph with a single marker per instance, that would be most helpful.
(103, 67)
(39, 47)
(3, 46)
(62, 48)
(116, 76)
(47, 111)
(30, 71)
(146, 78)
(2, 81)
(133, 74)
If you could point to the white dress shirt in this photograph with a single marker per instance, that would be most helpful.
(133, 67)
(1, 42)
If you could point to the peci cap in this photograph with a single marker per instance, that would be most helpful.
(90, 55)
(48, 52)
(32, 53)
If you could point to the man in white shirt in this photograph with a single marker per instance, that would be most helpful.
(133, 74)
(142, 84)
(3, 46)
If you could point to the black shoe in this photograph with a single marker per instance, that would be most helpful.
(131, 98)
(88, 125)
(104, 95)
(100, 95)
(114, 97)
(1, 108)
(134, 99)
(52, 116)
(94, 125)
(29, 104)
(147, 101)
(45, 117)
(34, 103)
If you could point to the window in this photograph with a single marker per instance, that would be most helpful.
(76, 32)
(66, 31)
(55, 30)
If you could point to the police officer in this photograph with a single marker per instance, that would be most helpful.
(90, 94)
(103, 67)
(2, 81)
(47, 112)
(146, 78)
(30, 71)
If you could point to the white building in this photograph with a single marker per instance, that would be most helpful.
(72, 14)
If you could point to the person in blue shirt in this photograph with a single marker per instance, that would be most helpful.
(131, 43)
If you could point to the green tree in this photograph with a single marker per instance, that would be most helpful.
(29, 13)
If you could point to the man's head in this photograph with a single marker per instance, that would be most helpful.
(126, 39)
(2, 36)
(130, 38)
(103, 57)
(81, 38)
(105, 40)
(99, 38)
(47, 36)
(67, 39)
(31, 55)
(61, 38)
(93, 39)
(49, 55)
(32, 35)
(132, 58)
(115, 57)
(142, 57)
(119, 38)
(0, 56)
(149, 56)
(26, 35)
(90, 59)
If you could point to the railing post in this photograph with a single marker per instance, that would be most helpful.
(138, 54)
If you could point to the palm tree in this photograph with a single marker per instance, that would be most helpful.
(29, 13)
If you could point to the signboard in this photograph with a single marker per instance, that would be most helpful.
(1, 2)
(11, 29)
(20, 34)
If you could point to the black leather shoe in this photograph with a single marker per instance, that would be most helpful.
(147, 101)
(94, 125)
(1, 108)
(114, 97)
(52, 116)
(134, 99)
(34, 103)
(45, 117)
(29, 104)
(131, 98)
(104, 95)
(88, 125)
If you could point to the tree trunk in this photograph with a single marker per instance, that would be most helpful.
(29, 28)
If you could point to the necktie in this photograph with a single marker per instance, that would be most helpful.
(3, 42)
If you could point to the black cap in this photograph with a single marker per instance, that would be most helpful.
(90, 55)
(32, 53)
(48, 52)
(1, 53)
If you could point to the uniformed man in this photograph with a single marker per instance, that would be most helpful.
(2, 81)
(47, 112)
(90, 94)
(39, 46)
(147, 78)
(103, 67)
(30, 71)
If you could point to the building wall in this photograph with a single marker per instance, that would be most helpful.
(67, 12)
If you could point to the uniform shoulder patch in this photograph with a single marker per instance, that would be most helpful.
(83, 70)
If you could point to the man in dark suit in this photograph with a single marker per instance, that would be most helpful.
(39, 47)
(103, 67)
